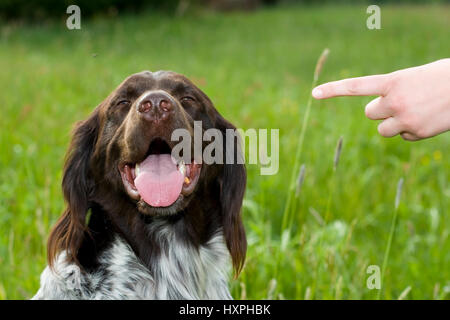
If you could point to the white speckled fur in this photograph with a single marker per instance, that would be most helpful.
(181, 271)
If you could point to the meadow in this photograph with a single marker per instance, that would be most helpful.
(257, 68)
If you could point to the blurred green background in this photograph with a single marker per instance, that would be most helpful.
(257, 67)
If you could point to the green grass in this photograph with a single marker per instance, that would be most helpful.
(257, 68)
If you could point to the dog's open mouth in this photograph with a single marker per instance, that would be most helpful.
(159, 180)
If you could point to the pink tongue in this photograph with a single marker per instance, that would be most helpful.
(159, 182)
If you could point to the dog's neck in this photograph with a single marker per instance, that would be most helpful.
(171, 263)
(195, 226)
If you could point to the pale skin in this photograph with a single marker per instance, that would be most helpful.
(413, 102)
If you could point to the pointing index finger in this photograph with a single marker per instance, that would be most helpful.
(362, 86)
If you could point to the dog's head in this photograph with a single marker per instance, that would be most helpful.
(120, 159)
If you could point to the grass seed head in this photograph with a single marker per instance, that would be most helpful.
(271, 289)
(399, 192)
(320, 63)
(337, 153)
(300, 180)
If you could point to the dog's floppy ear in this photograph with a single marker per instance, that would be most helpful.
(77, 185)
(232, 188)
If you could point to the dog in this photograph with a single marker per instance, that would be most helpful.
(138, 225)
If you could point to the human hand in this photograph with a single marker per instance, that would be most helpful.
(413, 102)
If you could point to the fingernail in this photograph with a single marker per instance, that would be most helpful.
(317, 93)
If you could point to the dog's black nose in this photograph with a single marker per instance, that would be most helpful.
(156, 106)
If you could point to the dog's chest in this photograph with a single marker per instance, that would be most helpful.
(181, 271)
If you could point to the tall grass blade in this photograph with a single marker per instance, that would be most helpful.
(391, 234)
(301, 139)
(291, 191)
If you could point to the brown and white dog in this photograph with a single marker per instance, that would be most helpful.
(163, 231)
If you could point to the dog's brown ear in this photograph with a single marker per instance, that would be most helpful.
(233, 181)
(77, 185)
